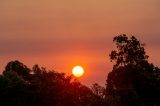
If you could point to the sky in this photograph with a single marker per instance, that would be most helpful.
(59, 34)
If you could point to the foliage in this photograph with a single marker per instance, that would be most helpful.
(98, 90)
(129, 51)
(133, 81)
(21, 86)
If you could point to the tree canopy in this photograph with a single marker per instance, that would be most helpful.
(21, 86)
(129, 51)
(133, 80)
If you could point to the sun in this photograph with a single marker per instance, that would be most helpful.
(77, 71)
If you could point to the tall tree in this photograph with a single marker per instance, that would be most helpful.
(129, 51)
(133, 79)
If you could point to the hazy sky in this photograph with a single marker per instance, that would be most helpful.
(59, 34)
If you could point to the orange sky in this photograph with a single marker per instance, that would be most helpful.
(59, 34)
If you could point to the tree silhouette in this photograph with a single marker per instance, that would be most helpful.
(21, 86)
(18, 67)
(133, 79)
(129, 51)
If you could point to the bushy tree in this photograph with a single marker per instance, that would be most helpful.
(129, 51)
(18, 67)
(133, 79)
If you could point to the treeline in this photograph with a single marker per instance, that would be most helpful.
(132, 82)
(21, 86)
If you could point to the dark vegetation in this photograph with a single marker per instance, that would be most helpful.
(132, 82)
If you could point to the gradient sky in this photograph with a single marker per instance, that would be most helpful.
(58, 34)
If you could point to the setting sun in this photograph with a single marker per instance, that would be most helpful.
(77, 71)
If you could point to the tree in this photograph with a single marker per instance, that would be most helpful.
(133, 79)
(129, 51)
(19, 68)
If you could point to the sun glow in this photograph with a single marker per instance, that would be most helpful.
(77, 71)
